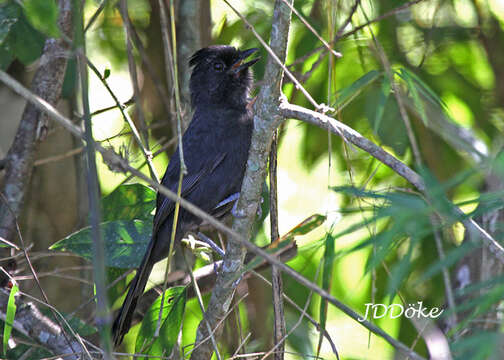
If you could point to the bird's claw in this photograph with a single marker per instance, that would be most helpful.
(240, 214)
(210, 243)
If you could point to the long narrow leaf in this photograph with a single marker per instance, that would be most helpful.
(171, 320)
(405, 74)
(9, 317)
(327, 276)
(347, 94)
(382, 101)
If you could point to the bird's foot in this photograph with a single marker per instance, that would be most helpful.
(210, 243)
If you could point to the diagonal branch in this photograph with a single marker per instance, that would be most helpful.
(114, 160)
(352, 136)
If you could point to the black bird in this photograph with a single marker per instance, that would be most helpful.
(215, 148)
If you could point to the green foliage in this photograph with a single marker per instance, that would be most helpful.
(408, 223)
(327, 279)
(129, 202)
(43, 15)
(349, 93)
(126, 230)
(476, 347)
(34, 353)
(124, 240)
(147, 343)
(18, 39)
(382, 221)
(9, 317)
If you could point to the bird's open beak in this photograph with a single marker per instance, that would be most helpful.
(238, 66)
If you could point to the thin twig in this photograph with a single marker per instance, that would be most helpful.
(39, 285)
(352, 136)
(379, 18)
(298, 308)
(397, 94)
(96, 14)
(202, 307)
(123, 7)
(147, 154)
(347, 21)
(93, 188)
(158, 85)
(275, 58)
(168, 55)
(288, 111)
(55, 158)
(298, 322)
(276, 276)
(314, 32)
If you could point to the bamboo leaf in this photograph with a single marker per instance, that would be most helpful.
(347, 94)
(9, 317)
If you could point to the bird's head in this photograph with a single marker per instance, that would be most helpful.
(220, 76)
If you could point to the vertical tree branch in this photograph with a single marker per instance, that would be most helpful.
(266, 120)
(102, 317)
(47, 84)
(276, 275)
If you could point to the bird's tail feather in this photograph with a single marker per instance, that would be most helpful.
(123, 320)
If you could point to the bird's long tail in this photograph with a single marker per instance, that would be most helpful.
(123, 320)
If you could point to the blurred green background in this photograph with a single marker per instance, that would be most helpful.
(447, 59)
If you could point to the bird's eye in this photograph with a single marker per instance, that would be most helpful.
(218, 66)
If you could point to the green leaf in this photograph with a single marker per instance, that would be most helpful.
(451, 258)
(77, 324)
(43, 15)
(6, 58)
(129, 202)
(390, 129)
(26, 43)
(399, 272)
(347, 94)
(117, 291)
(125, 242)
(481, 345)
(171, 321)
(309, 224)
(106, 74)
(382, 101)
(327, 276)
(9, 16)
(18, 39)
(406, 75)
(9, 317)
(21, 351)
(426, 90)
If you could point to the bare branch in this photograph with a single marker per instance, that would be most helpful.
(352, 136)
(30, 322)
(112, 159)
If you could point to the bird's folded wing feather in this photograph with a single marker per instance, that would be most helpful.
(189, 182)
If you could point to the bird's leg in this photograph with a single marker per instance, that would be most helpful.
(227, 200)
(215, 248)
(210, 243)
(234, 210)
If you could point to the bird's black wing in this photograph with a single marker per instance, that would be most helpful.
(190, 182)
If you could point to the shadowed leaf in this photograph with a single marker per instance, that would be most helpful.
(125, 242)
(171, 320)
